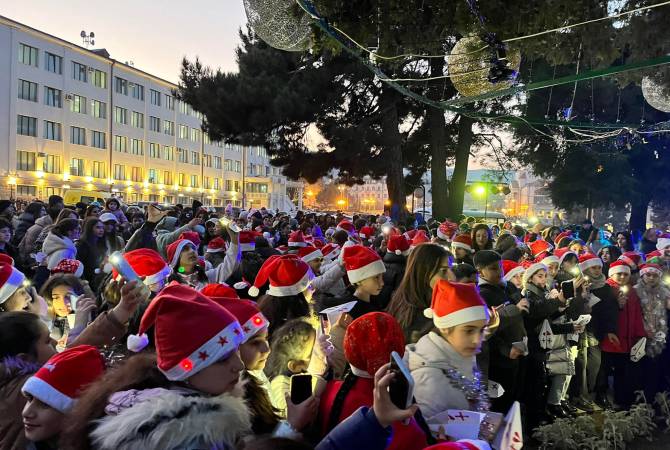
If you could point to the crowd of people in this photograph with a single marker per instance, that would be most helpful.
(231, 308)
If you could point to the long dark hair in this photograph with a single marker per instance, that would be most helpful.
(279, 310)
(87, 234)
(265, 417)
(19, 331)
(62, 228)
(414, 292)
(340, 397)
(489, 234)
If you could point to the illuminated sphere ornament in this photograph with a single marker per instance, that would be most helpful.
(469, 65)
(656, 94)
(279, 23)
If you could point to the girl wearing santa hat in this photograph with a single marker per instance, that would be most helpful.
(443, 362)
(185, 395)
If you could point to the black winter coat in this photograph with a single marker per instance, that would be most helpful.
(395, 269)
(605, 313)
(511, 328)
(541, 308)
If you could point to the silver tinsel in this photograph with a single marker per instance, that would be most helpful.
(656, 94)
(276, 22)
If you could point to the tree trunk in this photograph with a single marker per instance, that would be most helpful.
(460, 175)
(638, 216)
(393, 153)
(438, 148)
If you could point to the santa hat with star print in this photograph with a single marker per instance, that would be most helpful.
(11, 279)
(309, 253)
(456, 303)
(663, 241)
(191, 332)
(588, 260)
(296, 239)
(63, 377)
(511, 269)
(71, 266)
(398, 245)
(463, 241)
(219, 290)
(346, 226)
(420, 238)
(247, 314)
(618, 267)
(288, 275)
(146, 263)
(174, 251)
(369, 341)
(651, 268)
(361, 263)
(216, 245)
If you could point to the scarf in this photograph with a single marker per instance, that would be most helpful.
(597, 283)
(652, 301)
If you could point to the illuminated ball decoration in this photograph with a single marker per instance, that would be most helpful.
(469, 63)
(656, 94)
(279, 24)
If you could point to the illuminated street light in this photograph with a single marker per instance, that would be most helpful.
(480, 190)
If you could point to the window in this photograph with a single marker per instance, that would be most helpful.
(136, 174)
(29, 191)
(120, 115)
(78, 104)
(167, 177)
(154, 124)
(182, 155)
(52, 131)
(121, 86)
(183, 132)
(154, 150)
(153, 177)
(205, 138)
(27, 90)
(216, 184)
(98, 169)
(77, 136)
(79, 72)
(237, 186)
(194, 181)
(121, 144)
(26, 126)
(98, 109)
(182, 179)
(168, 152)
(207, 160)
(98, 139)
(238, 166)
(53, 97)
(229, 185)
(155, 97)
(195, 135)
(77, 167)
(168, 127)
(119, 172)
(27, 55)
(52, 164)
(169, 102)
(99, 78)
(137, 147)
(195, 158)
(217, 162)
(137, 91)
(137, 120)
(183, 108)
(206, 182)
(228, 165)
(25, 160)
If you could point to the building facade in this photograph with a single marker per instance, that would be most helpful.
(72, 118)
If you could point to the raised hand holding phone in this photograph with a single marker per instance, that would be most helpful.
(385, 409)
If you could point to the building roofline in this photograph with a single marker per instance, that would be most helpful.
(13, 23)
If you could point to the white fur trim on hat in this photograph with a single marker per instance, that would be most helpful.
(367, 271)
(136, 343)
(464, 315)
(530, 271)
(591, 262)
(518, 270)
(14, 282)
(442, 236)
(158, 276)
(360, 372)
(618, 269)
(312, 256)
(285, 291)
(248, 247)
(662, 243)
(650, 269)
(456, 244)
(215, 250)
(180, 248)
(551, 259)
(400, 252)
(297, 244)
(46, 393)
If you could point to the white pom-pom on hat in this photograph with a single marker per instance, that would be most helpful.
(136, 343)
(398, 252)
(428, 313)
(254, 291)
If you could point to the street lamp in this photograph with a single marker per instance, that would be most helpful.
(12, 185)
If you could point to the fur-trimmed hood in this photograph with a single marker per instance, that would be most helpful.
(174, 421)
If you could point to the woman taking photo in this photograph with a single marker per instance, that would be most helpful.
(92, 250)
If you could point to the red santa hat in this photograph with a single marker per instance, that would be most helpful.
(63, 377)
(532, 269)
(461, 444)
(330, 251)
(191, 332)
(309, 253)
(346, 226)
(648, 256)
(174, 250)
(420, 238)
(318, 242)
(511, 269)
(361, 263)
(6, 259)
(549, 259)
(463, 241)
(216, 245)
(147, 263)
(409, 234)
(618, 267)
(456, 303)
(367, 232)
(191, 236)
(562, 253)
(369, 341)
(296, 239)
(538, 247)
(632, 258)
(219, 290)
(588, 260)
(398, 245)
(651, 268)
(288, 275)
(663, 241)
(564, 235)
(247, 314)
(248, 240)
(446, 230)
(71, 266)
(11, 279)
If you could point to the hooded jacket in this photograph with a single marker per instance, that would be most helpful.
(25, 221)
(26, 245)
(58, 248)
(172, 421)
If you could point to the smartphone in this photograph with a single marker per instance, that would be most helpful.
(230, 224)
(301, 388)
(324, 323)
(568, 289)
(401, 388)
(73, 302)
(117, 261)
